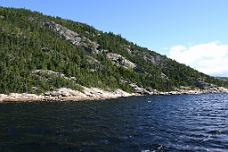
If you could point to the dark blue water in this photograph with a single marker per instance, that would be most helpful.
(139, 124)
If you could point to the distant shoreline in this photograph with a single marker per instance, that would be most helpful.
(65, 94)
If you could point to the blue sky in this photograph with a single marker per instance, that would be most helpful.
(179, 29)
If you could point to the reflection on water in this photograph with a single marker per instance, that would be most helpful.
(144, 124)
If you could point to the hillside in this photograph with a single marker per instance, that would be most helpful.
(222, 78)
(40, 53)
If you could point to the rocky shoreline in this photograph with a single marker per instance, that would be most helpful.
(65, 94)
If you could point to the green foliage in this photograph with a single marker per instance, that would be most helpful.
(27, 46)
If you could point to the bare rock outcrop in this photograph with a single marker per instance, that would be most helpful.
(140, 90)
(63, 31)
(67, 94)
(20, 97)
(120, 60)
(64, 93)
(148, 57)
(72, 36)
(97, 93)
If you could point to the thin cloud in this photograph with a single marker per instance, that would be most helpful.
(210, 58)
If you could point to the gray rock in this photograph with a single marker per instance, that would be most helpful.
(154, 59)
(120, 60)
(72, 36)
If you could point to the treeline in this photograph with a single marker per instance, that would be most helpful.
(27, 46)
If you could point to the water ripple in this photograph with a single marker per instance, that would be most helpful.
(144, 124)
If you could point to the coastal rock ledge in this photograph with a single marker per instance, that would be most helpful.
(64, 94)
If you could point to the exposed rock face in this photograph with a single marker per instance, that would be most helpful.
(3, 97)
(66, 94)
(72, 36)
(20, 97)
(68, 34)
(154, 59)
(210, 88)
(140, 90)
(53, 73)
(188, 90)
(120, 60)
(96, 94)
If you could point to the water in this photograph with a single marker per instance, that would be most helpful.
(139, 124)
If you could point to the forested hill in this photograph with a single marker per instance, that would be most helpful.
(39, 53)
(222, 78)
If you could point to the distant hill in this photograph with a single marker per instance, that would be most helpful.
(222, 78)
(39, 53)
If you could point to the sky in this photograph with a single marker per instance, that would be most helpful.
(193, 32)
